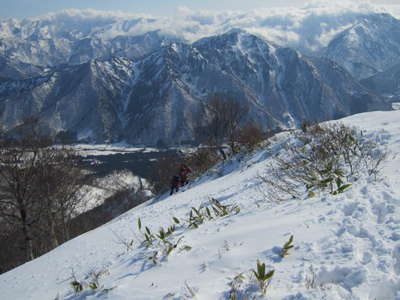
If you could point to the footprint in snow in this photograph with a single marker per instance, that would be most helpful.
(381, 210)
(395, 236)
(347, 277)
(274, 254)
(396, 256)
(350, 209)
(387, 196)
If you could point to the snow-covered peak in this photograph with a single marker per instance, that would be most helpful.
(29, 40)
(80, 22)
(228, 39)
(370, 45)
(235, 41)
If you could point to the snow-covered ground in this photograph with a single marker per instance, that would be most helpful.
(119, 148)
(349, 243)
(95, 194)
(100, 149)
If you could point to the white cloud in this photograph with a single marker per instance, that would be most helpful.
(392, 9)
(313, 25)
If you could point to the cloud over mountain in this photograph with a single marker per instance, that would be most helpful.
(308, 28)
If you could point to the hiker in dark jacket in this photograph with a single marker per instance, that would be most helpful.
(183, 174)
(175, 184)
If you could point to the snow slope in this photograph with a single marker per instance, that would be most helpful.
(350, 241)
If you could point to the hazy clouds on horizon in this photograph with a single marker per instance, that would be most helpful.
(34, 8)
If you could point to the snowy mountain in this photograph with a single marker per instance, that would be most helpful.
(65, 39)
(108, 77)
(18, 70)
(83, 98)
(75, 36)
(345, 246)
(371, 45)
(155, 98)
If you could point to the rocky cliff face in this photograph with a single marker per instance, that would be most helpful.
(155, 98)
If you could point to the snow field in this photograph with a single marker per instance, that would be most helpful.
(346, 246)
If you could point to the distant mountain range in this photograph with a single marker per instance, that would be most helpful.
(146, 88)
(371, 45)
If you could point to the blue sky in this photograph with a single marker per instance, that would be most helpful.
(26, 8)
(29, 8)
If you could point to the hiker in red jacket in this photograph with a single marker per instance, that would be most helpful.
(183, 174)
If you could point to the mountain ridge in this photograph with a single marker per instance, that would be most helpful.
(155, 98)
(371, 45)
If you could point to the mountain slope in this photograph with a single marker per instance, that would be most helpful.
(84, 99)
(371, 45)
(385, 83)
(155, 98)
(18, 70)
(348, 241)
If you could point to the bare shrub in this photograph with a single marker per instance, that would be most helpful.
(236, 286)
(165, 168)
(219, 118)
(189, 292)
(306, 124)
(250, 136)
(125, 243)
(312, 282)
(322, 157)
(201, 160)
